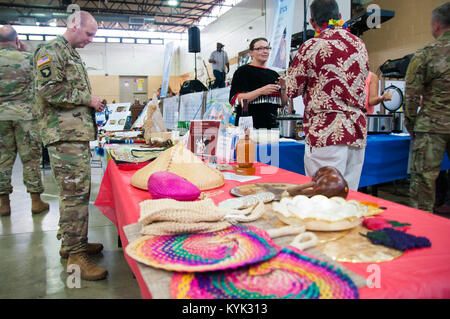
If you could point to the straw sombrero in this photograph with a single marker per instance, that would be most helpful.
(179, 160)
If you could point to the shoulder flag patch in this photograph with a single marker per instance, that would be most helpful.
(43, 60)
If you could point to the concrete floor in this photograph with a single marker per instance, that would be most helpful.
(30, 265)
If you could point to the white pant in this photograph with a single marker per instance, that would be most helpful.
(348, 160)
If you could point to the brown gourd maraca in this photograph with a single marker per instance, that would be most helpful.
(326, 181)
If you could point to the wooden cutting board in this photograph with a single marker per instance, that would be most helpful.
(250, 189)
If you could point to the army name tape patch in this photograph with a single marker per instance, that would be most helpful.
(45, 59)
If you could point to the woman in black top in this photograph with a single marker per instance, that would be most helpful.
(263, 88)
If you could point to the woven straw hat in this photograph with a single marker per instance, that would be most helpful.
(184, 163)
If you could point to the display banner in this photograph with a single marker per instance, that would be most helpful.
(280, 40)
(166, 71)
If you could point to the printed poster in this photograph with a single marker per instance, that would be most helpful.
(280, 40)
(117, 117)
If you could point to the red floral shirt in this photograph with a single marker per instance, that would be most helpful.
(330, 72)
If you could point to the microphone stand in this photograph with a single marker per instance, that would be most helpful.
(305, 24)
(195, 65)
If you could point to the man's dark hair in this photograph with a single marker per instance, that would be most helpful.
(442, 14)
(7, 34)
(324, 10)
(252, 44)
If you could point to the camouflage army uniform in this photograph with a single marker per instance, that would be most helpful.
(428, 75)
(63, 93)
(18, 127)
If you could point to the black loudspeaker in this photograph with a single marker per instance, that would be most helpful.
(358, 24)
(396, 68)
(194, 39)
(192, 87)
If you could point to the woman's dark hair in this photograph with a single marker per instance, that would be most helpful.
(252, 44)
(324, 10)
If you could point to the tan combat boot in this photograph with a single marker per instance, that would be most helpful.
(37, 205)
(88, 268)
(92, 249)
(5, 209)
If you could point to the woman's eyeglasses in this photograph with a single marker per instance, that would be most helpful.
(262, 48)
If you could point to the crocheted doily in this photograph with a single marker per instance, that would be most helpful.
(233, 247)
(291, 274)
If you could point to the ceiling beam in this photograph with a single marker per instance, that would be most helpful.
(114, 11)
(162, 5)
(186, 14)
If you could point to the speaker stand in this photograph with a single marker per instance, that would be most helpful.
(305, 23)
(195, 54)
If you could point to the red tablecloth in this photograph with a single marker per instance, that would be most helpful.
(419, 273)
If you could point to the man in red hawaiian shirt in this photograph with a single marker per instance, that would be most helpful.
(329, 71)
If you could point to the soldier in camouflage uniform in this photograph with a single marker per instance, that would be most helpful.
(428, 76)
(64, 106)
(18, 126)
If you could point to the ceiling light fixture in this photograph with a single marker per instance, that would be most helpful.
(172, 3)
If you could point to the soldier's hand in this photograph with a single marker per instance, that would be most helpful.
(96, 103)
(22, 46)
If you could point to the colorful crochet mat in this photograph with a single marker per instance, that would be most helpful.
(290, 275)
(233, 247)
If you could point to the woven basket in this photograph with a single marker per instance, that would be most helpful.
(184, 163)
(236, 246)
(291, 274)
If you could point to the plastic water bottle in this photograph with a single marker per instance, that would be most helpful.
(155, 98)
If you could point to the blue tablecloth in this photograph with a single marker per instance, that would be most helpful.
(386, 158)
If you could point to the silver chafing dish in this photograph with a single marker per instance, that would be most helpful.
(377, 123)
(288, 124)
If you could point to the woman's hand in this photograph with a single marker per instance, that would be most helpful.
(266, 90)
(269, 89)
(387, 96)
